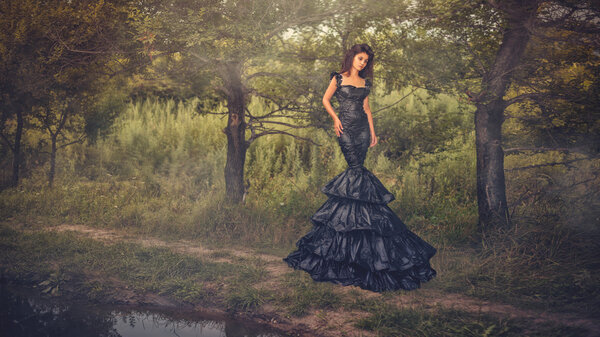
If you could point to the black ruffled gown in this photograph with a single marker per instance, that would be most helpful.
(356, 238)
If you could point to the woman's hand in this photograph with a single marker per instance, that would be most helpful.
(373, 140)
(337, 126)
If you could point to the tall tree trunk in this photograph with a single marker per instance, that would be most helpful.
(52, 160)
(54, 136)
(235, 131)
(17, 147)
(491, 187)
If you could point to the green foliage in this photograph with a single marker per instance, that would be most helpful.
(283, 172)
(104, 111)
(50, 259)
(302, 293)
(159, 169)
(533, 265)
(554, 193)
(167, 141)
(245, 298)
(55, 57)
(390, 321)
(437, 191)
(421, 123)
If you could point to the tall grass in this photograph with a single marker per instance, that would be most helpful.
(160, 169)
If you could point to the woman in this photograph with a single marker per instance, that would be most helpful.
(357, 239)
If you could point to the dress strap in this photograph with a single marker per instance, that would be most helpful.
(338, 78)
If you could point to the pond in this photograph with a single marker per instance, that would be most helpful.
(23, 312)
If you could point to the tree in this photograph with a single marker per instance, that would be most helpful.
(55, 52)
(494, 41)
(238, 45)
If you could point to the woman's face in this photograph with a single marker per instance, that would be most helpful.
(360, 61)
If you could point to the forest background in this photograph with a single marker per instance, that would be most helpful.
(203, 120)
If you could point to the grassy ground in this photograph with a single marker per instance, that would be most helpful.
(248, 281)
(531, 266)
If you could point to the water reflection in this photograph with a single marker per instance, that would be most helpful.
(24, 313)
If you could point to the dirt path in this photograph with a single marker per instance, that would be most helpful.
(329, 323)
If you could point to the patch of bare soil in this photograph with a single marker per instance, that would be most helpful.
(321, 322)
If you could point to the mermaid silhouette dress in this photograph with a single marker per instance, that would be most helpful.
(356, 238)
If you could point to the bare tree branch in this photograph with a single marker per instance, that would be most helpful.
(549, 164)
(264, 73)
(79, 140)
(398, 101)
(544, 149)
(293, 126)
(270, 132)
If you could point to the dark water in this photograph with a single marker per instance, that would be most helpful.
(23, 312)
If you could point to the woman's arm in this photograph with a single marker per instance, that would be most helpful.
(337, 124)
(370, 118)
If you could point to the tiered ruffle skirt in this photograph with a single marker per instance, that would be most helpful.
(358, 240)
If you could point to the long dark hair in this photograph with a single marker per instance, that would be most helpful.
(349, 58)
